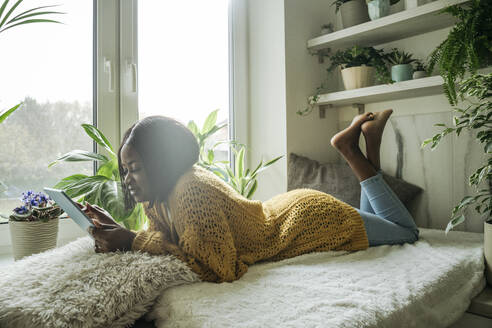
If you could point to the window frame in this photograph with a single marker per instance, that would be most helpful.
(115, 81)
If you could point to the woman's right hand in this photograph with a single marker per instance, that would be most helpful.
(97, 214)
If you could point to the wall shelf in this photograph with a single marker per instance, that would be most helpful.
(400, 90)
(403, 24)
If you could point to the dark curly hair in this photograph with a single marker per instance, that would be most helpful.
(167, 148)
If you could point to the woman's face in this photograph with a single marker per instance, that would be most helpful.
(134, 175)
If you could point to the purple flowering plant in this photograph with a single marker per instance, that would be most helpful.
(36, 206)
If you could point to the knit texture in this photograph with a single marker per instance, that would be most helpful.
(219, 233)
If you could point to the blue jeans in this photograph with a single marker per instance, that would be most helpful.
(386, 219)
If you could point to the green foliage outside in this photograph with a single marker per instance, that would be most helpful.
(242, 179)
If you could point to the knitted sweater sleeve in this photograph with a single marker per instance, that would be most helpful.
(156, 241)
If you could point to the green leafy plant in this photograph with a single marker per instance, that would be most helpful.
(399, 57)
(104, 188)
(420, 65)
(242, 179)
(358, 56)
(9, 19)
(392, 2)
(30, 16)
(477, 118)
(338, 4)
(6, 113)
(468, 46)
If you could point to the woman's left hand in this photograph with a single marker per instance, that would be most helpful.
(110, 238)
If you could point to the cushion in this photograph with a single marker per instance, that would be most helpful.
(338, 180)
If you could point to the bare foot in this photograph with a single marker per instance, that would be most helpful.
(373, 133)
(347, 140)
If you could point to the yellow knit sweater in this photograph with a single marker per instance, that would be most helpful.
(219, 233)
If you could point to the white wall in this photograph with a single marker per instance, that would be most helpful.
(267, 93)
(283, 74)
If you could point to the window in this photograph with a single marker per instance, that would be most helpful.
(183, 62)
(49, 68)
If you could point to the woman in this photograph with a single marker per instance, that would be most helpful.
(197, 217)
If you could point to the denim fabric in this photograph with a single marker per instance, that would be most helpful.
(386, 219)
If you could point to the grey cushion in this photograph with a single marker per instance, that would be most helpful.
(339, 181)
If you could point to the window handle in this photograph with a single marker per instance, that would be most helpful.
(108, 69)
(134, 76)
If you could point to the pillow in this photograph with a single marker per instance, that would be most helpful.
(339, 181)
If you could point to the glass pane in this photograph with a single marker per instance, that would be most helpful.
(183, 53)
(48, 67)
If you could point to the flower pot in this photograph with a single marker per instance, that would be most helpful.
(31, 237)
(487, 250)
(354, 13)
(397, 7)
(419, 74)
(378, 8)
(401, 72)
(358, 77)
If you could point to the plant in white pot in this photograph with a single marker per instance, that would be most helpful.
(34, 225)
(379, 8)
(420, 70)
(353, 12)
(360, 66)
(401, 69)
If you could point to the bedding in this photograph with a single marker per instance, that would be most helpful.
(426, 284)
(72, 286)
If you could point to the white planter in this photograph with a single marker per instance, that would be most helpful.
(358, 77)
(419, 74)
(32, 237)
(487, 250)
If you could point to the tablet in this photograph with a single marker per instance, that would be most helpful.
(68, 205)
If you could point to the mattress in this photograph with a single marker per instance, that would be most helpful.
(426, 284)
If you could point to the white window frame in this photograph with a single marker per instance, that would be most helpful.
(115, 83)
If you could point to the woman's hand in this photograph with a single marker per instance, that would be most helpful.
(108, 235)
(109, 238)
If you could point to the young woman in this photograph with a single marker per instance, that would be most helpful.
(197, 217)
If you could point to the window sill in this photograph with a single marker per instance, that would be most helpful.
(67, 232)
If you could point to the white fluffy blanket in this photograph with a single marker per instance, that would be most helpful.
(427, 284)
(72, 286)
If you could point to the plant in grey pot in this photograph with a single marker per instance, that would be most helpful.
(359, 66)
(420, 70)
(379, 8)
(34, 225)
(401, 69)
(353, 12)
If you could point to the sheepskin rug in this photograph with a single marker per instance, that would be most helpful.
(428, 284)
(72, 286)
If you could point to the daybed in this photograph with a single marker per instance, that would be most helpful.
(427, 284)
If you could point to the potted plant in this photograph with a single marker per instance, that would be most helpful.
(326, 29)
(401, 69)
(467, 47)
(359, 66)
(34, 225)
(420, 70)
(241, 179)
(353, 12)
(379, 8)
(475, 117)
(103, 188)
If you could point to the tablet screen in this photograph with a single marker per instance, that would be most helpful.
(68, 205)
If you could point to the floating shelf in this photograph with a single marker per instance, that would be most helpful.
(403, 24)
(400, 90)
